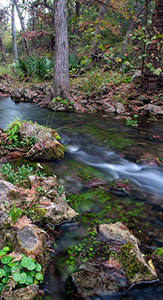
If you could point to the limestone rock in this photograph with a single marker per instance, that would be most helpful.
(109, 108)
(122, 269)
(52, 207)
(154, 109)
(47, 146)
(57, 106)
(28, 293)
(93, 278)
(138, 103)
(144, 99)
(120, 109)
(136, 78)
(16, 94)
(7, 192)
(139, 270)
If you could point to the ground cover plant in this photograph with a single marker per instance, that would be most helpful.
(20, 174)
(17, 270)
(13, 137)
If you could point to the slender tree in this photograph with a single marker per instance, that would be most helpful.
(132, 25)
(152, 77)
(2, 49)
(14, 46)
(77, 14)
(23, 27)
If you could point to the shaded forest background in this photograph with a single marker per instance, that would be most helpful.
(103, 37)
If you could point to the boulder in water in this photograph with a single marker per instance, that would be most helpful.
(125, 266)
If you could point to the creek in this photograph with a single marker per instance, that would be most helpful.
(99, 147)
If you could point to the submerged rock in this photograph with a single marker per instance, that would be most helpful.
(125, 266)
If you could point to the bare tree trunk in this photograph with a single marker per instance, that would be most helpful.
(14, 46)
(60, 86)
(101, 15)
(2, 49)
(132, 26)
(154, 81)
(77, 13)
(23, 27)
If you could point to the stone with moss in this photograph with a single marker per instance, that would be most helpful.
(159, 251)
(130, 257)
(51, 207)
(28, 293)
(46, 147)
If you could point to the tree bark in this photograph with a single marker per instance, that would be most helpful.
(23, 27)
(14, 46)
(2, 49)
(132, 26)
(60, 85)
(151, 81)
(101, 15)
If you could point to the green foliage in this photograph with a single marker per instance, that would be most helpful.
(159, 251)
(14, 214)
(13, 135)
(59, 99)
(19, 176)
(13, 130)
(20, 273)
(60, 189)
(91, 82)
(34, 66)
(131, 122)
(76, 64)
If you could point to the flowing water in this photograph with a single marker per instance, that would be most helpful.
(103, 148)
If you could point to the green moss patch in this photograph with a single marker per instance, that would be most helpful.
(130, 262)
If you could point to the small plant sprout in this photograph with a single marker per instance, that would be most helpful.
(132, 122)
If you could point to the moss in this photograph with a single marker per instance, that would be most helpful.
(130, 262)
(56, 136)
(159, 251)
(112, 138)
(56, 153)
(38, 213)
(13, 195)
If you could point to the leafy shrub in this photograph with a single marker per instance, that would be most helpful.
(91, 82)
(13, 130)
(20, 176)
(13, 135)
(34, 66)
(18, 270)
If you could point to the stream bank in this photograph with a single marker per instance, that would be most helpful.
(106, 142)
(124, 100)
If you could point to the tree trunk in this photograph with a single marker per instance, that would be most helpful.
(101, 15)
(151, 81)
(23, 27)
(14, 46)
(60, 86)
(77, 14)
(2, 49)
(132, 26)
